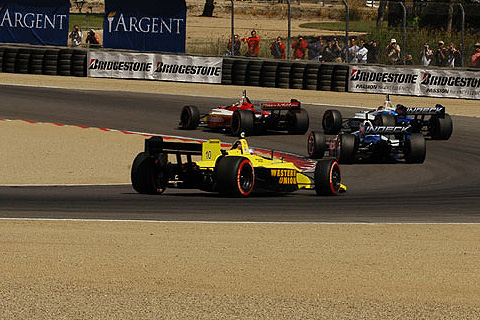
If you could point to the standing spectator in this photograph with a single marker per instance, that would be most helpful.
(372, 54)
(459, 56)
(440, 55)
(393, 52)
(337, 50)
(362, 52)
(236, 46)
(475, 59)
(328, 53)
(409, 60)
(253, 43)
(93, 40)
(352, 52)
(315, 49)
(277, 49)
(453, 56)
(76, 36)
(427, 55)
(299, 48)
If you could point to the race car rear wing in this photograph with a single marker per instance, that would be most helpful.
(386, 130)
(156, 145)
(293, 105)
(438, 110)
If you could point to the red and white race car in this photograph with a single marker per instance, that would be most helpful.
(249, 118)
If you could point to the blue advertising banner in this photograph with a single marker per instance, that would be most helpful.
(145, 25)
(38, 22)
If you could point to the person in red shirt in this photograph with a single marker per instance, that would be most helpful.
(299, 48)
(278, 49)
(475, 59)
(253, 44)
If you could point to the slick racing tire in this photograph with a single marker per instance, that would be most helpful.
(415, 149)
(243, 121)
(147, 175)
(235, 177)
(189, 118)
(440, 129)
(328, 177)
(316, 145)
(383, 119)
(298, 122)
(332, 122)
(347, 148)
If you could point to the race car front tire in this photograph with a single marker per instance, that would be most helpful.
(440, 128)
(332, 122)
(316, 145)
(145, 175)
(189, 118)
(298, 122)
(235, 177)
(243, 121)
(328, 177)
(415, 149)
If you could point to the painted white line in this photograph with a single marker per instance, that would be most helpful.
(66, 185)
(246, 222)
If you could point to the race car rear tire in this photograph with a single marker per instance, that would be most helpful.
(440, 129)
(243, 121)
(235, 176)
(383, 119)
(332, 122)
(348, 148)
(316, 145)
(415, 149)
(328, 177)
(145, 175)
(189, 118)
(298, 122)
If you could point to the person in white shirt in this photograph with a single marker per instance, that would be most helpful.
(362, 52)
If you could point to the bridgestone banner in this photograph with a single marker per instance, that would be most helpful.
(448, 83)
(126, 65)
(38, 22)
(145, 25)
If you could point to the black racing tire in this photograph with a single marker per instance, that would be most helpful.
(415, 149)
(440, 128)
(243, 121)
(145, 175)
(316, 145)
(298, 122)
(328, 177)
(348, 148)
(332, 122)
(189, 118)
(235, 176)
(383, 119)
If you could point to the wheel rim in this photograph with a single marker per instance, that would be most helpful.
(311, 145)
(335, 178)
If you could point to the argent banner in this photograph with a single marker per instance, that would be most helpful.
(38, 22)
(448, 83)
(145, 25)
(152, 66)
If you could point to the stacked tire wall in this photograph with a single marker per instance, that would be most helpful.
(285, 74)
(43, 60)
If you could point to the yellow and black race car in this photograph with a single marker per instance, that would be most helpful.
(236, 171)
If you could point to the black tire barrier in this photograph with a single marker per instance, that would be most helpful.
(268, 75)
(324, 81)
(65, 62)
(227, 70)
(79, 63)
(36, 61)
(253, 73)
(2, 50)
(9, 59)
(311, 76)
(283, 75)
(240, 67)
(23, 60)
(340, 78)
(50, 62)
(297, 75)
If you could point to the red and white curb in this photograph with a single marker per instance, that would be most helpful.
(300, 162)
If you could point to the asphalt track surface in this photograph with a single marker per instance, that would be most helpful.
(444, 189)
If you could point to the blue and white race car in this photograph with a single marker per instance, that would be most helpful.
(430, 121)
(370, 143)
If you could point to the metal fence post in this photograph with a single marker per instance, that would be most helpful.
(346, 23)
(404, 32)
(289, 28)
(233, 32)
(463, 33)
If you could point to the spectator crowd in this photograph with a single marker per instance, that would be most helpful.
(330, 49)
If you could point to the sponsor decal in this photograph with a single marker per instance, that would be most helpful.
(188, 69)
(387, 130)
(32, 20)
(97, 64)
(424, 110)
(387, 77)
(285, 176)
(280, 105)
(160, 25)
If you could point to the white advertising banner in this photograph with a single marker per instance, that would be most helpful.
(448, 83)
(128, 65)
